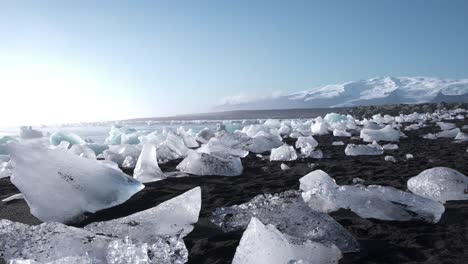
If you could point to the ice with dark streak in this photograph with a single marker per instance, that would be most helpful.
(206, 164)
(322, 194)
(59, 186)
(264, 244)
(151, 236)
(288, 212)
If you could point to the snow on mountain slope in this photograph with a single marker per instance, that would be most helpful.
(374, 91)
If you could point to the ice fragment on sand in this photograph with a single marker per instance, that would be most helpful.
(283, 153)
(206, 164)
(385, 134)
(147, 168)
(13, 197)
(321, 193)
(390, 159)
(409, 156)
(448, 133)
(440, 184)
(390, 146)
(337, 143)
(204, 135)
(284, 166)
(264, 244)
(289, 214)
(363, 150)
(59, 186)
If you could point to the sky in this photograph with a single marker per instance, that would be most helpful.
(87, 60)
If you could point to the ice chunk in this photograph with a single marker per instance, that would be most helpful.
(284, 130)
(18, 196)
(409, 156)
(446, 126)
(206, 164)
(71, 138)
(283, 153)
(262, 244)
(118, 153)
(129, 162)
(225, 145)
(320, 128)
(337, 143)
(154, 235)
(385, 134)
(390, 146)
(429, 136)
(290, 215)
(189, 140)
(440, 184)
(147, 168)
(131, 138)
(82, 151)
(5, 169)
(174, 217)
(27, 132)
(363, 150)
(341, 133)
(264, 141)
(204, 135)
(321, 193)
(390, 159)
(59, 186)
(48, 242)
(284, 166)
(335, 118)
(452, 133)
(115, 134)
(306, 142)
(461, 137)
(176, 145)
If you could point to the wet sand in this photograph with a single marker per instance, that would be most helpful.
(380, 241)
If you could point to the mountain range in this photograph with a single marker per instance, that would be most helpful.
(374, 91)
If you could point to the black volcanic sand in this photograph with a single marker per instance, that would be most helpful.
(381, 241)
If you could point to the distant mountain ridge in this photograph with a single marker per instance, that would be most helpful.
(374, 91)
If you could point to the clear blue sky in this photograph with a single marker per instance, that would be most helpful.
(121, 59)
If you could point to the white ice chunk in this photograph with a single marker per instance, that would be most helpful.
(461, 136)
(189, 140)
(225, 145)
(60, 136)
(385, 134)
(289, 213)
(129, 162)
(284, 130)
(82, 151)
(321, 193)
(440, 184)
(27, 132)
(337, 143)
(204, 135)
(320, 128)
(262, 244)
(284, 166)
(335, 118)
(18, 196)
(363, 150)
(390, 159)
(264, 141)
(283, 153)
(306, 142)
(341, 133)
(174, 217)
(205, 164)
(446, 126)
(409, 156)
(452, 133)
(59, 186)
(147, 168)
(154, 235)
(390, 146)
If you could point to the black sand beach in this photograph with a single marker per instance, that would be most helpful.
(380, 241)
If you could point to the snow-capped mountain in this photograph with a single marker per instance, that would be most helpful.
(374, 91)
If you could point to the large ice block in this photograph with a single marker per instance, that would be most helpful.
(61, 187)
(289, 214)
(322, 194)
(264, 244)
(440, 184)
(385, 134)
